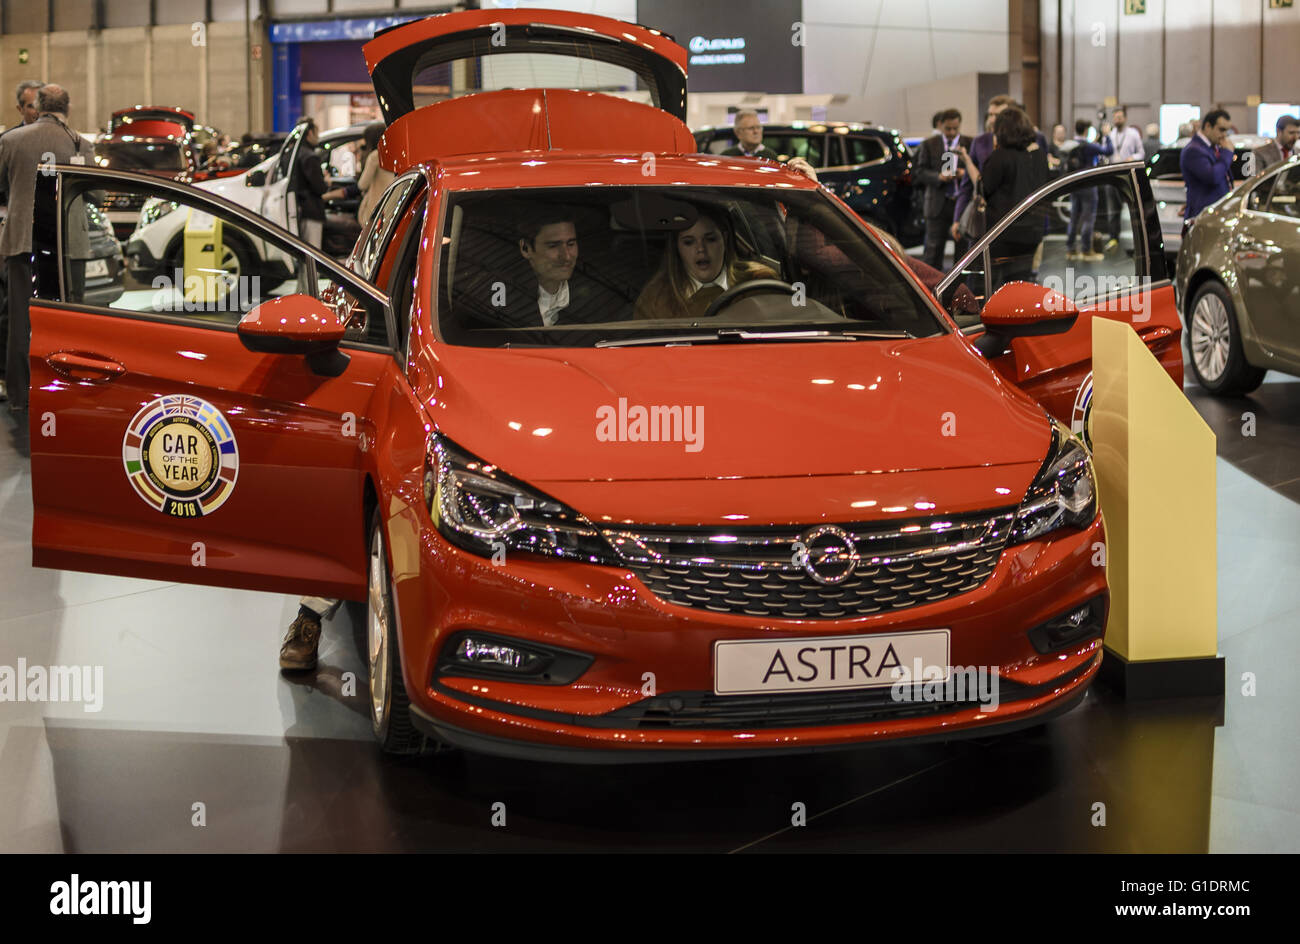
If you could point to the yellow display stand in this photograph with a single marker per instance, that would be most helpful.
(204, 278)
(1155, 462)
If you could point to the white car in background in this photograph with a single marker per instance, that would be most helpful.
(156, 247)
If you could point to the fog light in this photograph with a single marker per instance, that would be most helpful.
(1080, 623)
(487, 652)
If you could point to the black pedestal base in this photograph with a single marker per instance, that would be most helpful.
(1162, 678)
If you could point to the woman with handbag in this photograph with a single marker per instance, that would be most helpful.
(1016, 168)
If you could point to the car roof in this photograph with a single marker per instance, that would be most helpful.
(347, 131)
(540, 169)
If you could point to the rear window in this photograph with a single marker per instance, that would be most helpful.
(140, 155)
(578, 267)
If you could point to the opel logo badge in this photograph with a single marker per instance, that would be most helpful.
(829, 555)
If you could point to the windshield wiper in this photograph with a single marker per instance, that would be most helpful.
(741, 334)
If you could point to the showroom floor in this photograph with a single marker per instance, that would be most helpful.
(201, 744)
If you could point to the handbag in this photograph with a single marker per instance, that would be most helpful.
(974, 219)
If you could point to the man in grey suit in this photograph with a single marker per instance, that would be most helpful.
(24, 153)
(25, 94)
(939, 170)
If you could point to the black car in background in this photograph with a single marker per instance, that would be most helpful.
(869, 168)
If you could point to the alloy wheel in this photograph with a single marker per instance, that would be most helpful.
(1211, 338)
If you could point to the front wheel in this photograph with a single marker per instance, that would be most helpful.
(1218, 360)
(390, 708)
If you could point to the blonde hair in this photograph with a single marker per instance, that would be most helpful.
(667, 293)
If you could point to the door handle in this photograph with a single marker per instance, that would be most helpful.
(84, 366)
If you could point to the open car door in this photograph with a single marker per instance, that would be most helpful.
(1094, 237)
(169, 441)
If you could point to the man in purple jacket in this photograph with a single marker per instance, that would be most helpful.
(1206, 163)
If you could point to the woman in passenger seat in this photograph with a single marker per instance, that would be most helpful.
(700, 263)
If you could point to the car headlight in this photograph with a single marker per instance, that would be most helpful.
(155, 209)
(479, 508)
(1063, 494)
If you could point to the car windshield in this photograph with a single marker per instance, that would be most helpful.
(644, 265)
(139, 155)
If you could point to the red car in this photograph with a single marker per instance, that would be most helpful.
(595, 517)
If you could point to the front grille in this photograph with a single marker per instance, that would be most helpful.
(757, 572)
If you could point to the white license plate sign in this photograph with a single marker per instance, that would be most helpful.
(96, 268)
(828, 663)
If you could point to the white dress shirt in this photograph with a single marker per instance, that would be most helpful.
(720, 281)
(550, 305)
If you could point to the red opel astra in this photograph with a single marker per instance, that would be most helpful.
(634, 453)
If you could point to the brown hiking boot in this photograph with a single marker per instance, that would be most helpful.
(299, 649)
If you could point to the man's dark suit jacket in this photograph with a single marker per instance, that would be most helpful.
(929, 164)
(1207, 173)
(588, 303)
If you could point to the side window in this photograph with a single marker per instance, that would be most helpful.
(863, 149)
(1258, 199)
(811, 147)
(189, 261)
(1083, 240)
(1285, 191)
(375, 235)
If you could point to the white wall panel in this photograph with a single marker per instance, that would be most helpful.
(1281, 66)
(1236, 41)
(1188, 51)
(1095, 45)
(68, 67)
(1141, 62)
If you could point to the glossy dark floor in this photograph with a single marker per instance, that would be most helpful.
(199, 744)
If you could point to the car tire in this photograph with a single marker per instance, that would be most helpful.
(1217, 358)
(390, 707)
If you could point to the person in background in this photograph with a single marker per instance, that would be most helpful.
(22, 153)
(310, 187)
(1055, 157)
(940, 175)
(1083, 201)
(1151, 143)
(980, 149)
(1016, 168)
(1187, 129)
(749, 134)
(934, 121)
(1126, 144)
(374, 179)
(1284, 145)
(1206, 163)
(27, 113)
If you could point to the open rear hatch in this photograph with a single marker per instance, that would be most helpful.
(398, 57)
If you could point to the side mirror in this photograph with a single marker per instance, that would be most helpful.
(255, 178)
(1023, 310)
(296, 324)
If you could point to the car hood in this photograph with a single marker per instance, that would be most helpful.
(748, 411)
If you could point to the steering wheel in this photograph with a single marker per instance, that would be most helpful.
(737, 292)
